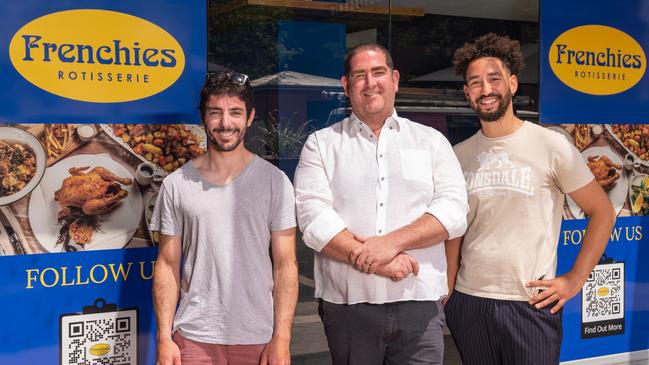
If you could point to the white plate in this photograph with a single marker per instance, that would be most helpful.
(12, 134)
(194, 128)
(115, 228)
(618, 193)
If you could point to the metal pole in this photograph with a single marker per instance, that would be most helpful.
(390, 26)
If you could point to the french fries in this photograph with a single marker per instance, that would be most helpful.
(58, 138)
(583, 136)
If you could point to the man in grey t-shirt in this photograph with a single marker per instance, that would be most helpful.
(231, 217)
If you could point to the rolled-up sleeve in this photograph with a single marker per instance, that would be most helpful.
(449, 204)
(317, 219)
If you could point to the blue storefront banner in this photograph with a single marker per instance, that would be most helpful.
(611, 313)
(76, 61)
(595, 92)
(594, 61)
(98, 106)
(78, 308)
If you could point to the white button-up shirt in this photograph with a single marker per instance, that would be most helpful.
(347, 178)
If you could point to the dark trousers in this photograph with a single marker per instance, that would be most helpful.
(503, 332)
(392, 333)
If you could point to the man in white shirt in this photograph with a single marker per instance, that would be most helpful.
(376, 197)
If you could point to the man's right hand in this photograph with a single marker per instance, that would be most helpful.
(400, 267)
(168, 353)
(451, 288)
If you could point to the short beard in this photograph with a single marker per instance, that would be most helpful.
(225, 147)
(496, 114)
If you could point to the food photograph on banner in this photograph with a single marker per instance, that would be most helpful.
(74, 182)
(77, 187)
(618, 157)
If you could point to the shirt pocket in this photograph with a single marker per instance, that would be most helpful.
(416, 165)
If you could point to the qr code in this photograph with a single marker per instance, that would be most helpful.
(603, 293)
(99, 338)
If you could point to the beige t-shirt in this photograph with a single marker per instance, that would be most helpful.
(516, 186)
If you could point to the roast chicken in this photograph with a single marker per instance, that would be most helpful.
(605, 171)
(95, 192)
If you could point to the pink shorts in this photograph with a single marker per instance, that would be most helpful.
(192, 352)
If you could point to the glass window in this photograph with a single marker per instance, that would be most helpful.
(293, 51)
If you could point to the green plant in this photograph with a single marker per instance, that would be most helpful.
(279, 138)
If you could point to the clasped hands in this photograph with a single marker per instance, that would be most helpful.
(376, 255)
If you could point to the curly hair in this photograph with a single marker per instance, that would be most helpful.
(507, 50)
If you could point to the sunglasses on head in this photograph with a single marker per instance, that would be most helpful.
(229, 75)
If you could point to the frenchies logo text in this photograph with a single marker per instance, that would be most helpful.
(597, 60)
(96, 55)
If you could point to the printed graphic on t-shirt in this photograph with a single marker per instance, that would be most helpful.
(497, 172)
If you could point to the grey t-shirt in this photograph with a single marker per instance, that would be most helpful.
(227, 280)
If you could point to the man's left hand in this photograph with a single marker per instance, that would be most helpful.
(374, 251)
(559, 289)
(276, 352)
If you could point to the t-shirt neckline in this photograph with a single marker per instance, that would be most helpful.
(243, 172)
(511, 135)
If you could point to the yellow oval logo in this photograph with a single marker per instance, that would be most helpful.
(597, 60)
(602, 291)
(100, 349)
(97, 56)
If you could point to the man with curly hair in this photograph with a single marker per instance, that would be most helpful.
(505, 307)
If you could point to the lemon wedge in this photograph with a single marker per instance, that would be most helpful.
(645, 182)
(637, 203)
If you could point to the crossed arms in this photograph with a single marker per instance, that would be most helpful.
(384, 255)
(325, 231)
